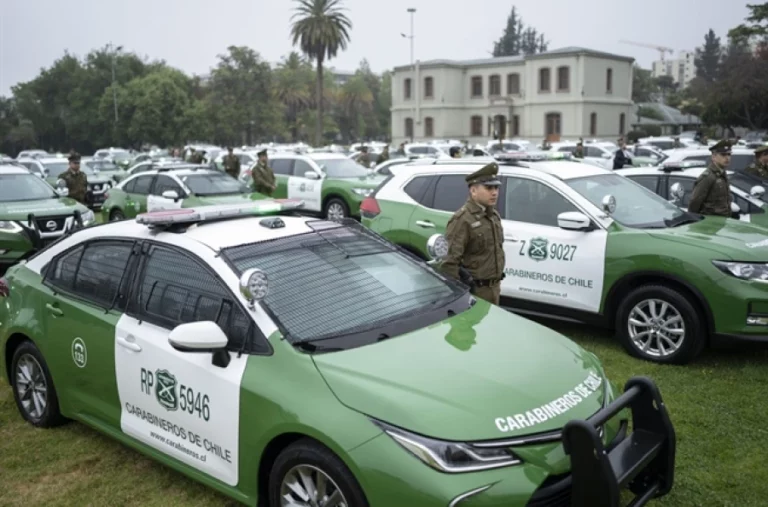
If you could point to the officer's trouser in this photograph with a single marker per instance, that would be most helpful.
(490, 294)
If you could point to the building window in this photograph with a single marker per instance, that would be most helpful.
(429, 88)
(407, 88)
(552, 122)
(516, 125)
(513, 84)
(622, 123)
(494, 86)
(563, 79)
(544, 78)
(429, 127)
(609, 81)
(593, 124)
(409, 128)
(476, 126)
(477, 86)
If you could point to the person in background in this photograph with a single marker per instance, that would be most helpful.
(232, 164)
(759, 167)
(76, 180)
(263, 175)
(454, 152)
(622, 156)
(383, 156)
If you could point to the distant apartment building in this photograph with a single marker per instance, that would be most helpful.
(682, 69)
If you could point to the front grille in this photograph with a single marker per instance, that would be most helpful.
(553, 492)
(96, 187)
(52, 224)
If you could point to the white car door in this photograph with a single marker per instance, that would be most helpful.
(544, 263)
(306, 189)
(156, 201)
(180, 403)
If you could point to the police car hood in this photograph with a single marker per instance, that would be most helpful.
(483, 374)
(725, 237)
(20, 210)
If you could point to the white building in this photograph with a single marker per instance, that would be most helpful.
(566, 93)
(682, 69)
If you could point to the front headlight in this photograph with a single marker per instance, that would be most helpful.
(88, 217)
(450, 457)
(9, 226)
(755, 271)
(365, 192)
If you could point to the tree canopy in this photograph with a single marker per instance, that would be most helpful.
(519, 39)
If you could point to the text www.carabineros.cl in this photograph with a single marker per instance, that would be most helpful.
(177, 446)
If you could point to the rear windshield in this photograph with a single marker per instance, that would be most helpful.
(213, 184)
(24, 187)
(339, 280)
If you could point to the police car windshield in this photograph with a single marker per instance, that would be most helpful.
(24, 187)
(342, 168)
(342, 280)
(57, 168)
(101, 165)
(213, 184)
(636, 206)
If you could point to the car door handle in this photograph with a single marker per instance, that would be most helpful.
(425, 224)
(513, 239)
(54, 310)
(128, 343)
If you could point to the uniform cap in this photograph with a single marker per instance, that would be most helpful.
(486, 175)
(73, 156)
(722, 147)
(262, 152)
(762, 149)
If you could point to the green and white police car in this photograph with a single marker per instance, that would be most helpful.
(312, 363)
(173, 187)
(674, 181)
(330, 184)
(33, 214)
(585, 244)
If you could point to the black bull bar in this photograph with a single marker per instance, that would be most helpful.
(644, 462)
(35, 234)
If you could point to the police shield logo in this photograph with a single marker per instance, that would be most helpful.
(538, 249)
(165, 390)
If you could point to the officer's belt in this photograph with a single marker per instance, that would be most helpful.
(488, 282)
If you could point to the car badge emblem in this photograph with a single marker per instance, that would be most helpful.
(50, 225)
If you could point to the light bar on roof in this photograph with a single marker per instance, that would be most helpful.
(521, 156)
(205, 213)
(682, 164)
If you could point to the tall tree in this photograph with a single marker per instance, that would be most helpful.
(756, 27)
(321, 29)
(644, 88)
(293, 81)
(707, 60)
(518, 39)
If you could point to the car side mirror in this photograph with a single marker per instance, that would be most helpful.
(677, 191)
(311, 175)
(203, 336)
(574, 221)
(61, 184)
(757, 191)
(171, 194)
(607, 155)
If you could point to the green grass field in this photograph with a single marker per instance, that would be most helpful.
(717, 406)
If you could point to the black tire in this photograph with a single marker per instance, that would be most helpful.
(694, 337)
(116, 215)
(50, 416)
(309, 453)
(339, 204)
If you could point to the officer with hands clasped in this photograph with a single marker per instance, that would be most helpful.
(475, 237)
(75, 179)
(712, 193)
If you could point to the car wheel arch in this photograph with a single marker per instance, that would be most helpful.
(14, 341)
(629, 282)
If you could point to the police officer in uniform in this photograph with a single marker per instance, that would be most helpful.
(365, 159)
(579, 153)
(759, 167)
(712, 193)
(263, 175)
(196, 157)
(76, 180)
(383, 156)
(232, 164)
(475, 237)
(455, 152)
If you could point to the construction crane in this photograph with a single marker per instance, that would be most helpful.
(661, 49)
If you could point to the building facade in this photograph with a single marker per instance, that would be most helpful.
(682, 69)
(558, 95)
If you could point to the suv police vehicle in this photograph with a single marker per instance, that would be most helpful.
(51, 169)
(32, 214)
(311, 362)
(741, 158)
(585, 244)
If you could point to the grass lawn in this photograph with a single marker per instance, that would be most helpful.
(717, 406)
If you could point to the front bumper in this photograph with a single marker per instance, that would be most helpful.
(642, 461)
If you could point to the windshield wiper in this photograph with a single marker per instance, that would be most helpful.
(685, 218)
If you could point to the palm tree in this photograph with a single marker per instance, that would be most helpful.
(320, 28)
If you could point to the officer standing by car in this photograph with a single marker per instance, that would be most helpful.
(711, 193)
(263, 175)
(365, 159)
(455, 152)
(475, 237)
(759, 167)
(76, 180)
(579, 153)
(621, 157)
(383, 156)
(232, 164)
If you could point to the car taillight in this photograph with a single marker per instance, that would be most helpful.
(5, 290)
(369, 208)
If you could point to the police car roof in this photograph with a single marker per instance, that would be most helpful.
(561, 169)
(13, 169)
(215, 235)
(694, 172)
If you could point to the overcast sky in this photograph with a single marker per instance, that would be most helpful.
(189, 34)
